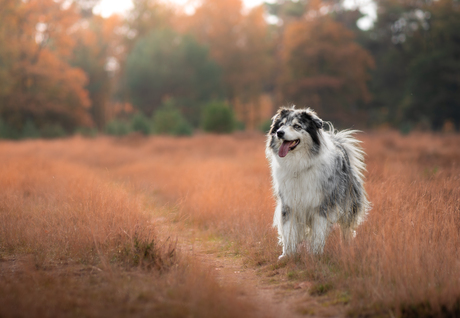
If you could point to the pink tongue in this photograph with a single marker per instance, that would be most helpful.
(284, 149)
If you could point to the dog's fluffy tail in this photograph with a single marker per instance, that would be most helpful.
(356, 157)
(352, 146)
(354, 150)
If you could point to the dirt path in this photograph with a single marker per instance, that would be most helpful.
(276, 296)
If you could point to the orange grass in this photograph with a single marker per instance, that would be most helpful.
(76, 243)
(69, 291)
(405, 257)
(58, 210)
(407, 254)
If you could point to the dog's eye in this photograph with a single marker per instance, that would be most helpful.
(297, 127)
(281, 124)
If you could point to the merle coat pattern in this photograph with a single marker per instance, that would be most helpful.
(317, 179)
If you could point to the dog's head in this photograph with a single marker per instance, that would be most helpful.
(294, 129)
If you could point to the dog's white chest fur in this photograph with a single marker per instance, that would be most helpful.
(297, 188)
(298, 182)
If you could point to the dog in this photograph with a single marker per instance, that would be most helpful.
(317, 179)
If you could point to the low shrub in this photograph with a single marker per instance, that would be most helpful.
(87, 132)
(117, 127)
(30, 131)
(53, 131)
(7, 131)
(320, 289)
(168, 120)
(218, 117)
(141, 123)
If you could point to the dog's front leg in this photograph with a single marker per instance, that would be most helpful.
(285, 230)
(319, 232)
(278, 223)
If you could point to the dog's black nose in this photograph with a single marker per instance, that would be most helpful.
(280, 133)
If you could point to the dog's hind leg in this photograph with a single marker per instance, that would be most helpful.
(348, 233)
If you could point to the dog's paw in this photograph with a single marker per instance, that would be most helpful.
(281, 257)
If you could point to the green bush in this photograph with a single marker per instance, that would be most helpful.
(30, 131)
(218, 117)
(141, 123)
(168, 120)
(118, 128)
(86, 131)
(7, 131)
(405, 128)
(183, 128)
(53, 131)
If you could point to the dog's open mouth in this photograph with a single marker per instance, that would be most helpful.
(287, 146)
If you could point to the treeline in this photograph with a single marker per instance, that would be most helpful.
(161, 70)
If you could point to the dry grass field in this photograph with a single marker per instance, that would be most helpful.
(74, 242)
(76, 227)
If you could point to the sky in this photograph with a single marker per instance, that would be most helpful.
(109, 7)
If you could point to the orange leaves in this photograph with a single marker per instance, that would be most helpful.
(321, 58)
(38, 37)
(321, 81)
(53, 24)
(237, 42)
(217, 21)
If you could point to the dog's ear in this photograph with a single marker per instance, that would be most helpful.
(318, 122)
(309, 115)
(275, 124)
(282, 112)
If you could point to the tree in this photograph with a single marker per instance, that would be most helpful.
(287, 10)
(433, 84)
(36, 42)
(165, 64)
(416, 48)
(394, 24)
(239, 43)
(324, 68)
(320, 63)
(97, 43)
(86, 7)
(144, 17)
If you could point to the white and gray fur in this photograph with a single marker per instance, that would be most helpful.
(318, 183)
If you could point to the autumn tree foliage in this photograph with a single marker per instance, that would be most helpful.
(165, 65)
(145, 16)
(97, 51)
(324, 68)
(38, 83)
(62, 66)
(238, 42)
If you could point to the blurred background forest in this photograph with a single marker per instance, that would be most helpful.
(221, 66)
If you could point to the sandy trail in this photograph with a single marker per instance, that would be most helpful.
(274, 298)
